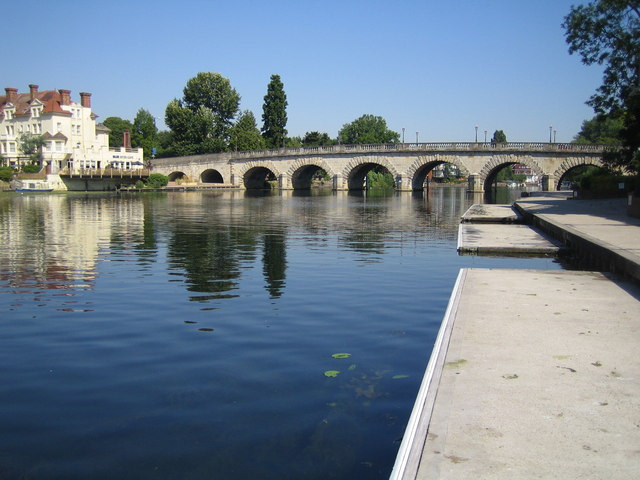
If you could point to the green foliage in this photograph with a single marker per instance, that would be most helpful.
(380, 179)
(601, 129)
(6, 174)
(607, 185)
(117, 126)
(31, 168)
(317, 139)
(293, 142)
(200, 122)
(332, 373)
(368, 129)
(144, 132)
(499, 137)
(139, 184)
(157, 180)
(341, 355)
(31, 145)
(244, 135)
(607, 33)
(274, 114)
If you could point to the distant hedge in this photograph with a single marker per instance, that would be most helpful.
(609, 185)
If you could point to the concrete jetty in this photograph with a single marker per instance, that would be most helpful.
(534, 373)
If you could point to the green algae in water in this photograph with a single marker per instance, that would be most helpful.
(331, 373)
(341, 355)
(398, 377)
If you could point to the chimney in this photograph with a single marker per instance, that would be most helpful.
(126, 139)
(85, 99)
(11, 94)
(33, 90)
(66, 97)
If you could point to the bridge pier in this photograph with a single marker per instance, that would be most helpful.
(338, 182)
(475, 183)
(284, 182)
(548, 183)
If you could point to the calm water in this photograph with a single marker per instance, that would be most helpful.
(187, 335)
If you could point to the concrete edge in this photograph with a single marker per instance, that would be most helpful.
(415, 435)
(594, 253)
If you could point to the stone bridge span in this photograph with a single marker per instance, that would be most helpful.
(347, 165)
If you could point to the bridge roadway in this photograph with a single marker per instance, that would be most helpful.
(409, 163)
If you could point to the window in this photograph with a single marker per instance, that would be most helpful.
(47, 147)
(59, 126)
(8, 114)
(12, 147)
(35, 112)
(58, 146)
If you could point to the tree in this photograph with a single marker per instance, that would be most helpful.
(316, 139)
(31, 145)
(367, 129)
(499, 137)
(244, 135)
(200, 122)
(601, 130)
(117, 126)
(144, 132)
(274, 114)
(607, 32)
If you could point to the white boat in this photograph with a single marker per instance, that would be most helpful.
(33, 186)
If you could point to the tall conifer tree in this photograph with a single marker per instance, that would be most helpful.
(274, 114)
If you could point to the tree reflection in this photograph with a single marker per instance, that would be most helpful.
(208, 256)
(274, 260)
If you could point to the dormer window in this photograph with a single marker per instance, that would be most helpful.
(8, 114)
(35, 111)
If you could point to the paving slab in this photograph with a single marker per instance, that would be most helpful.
(534, 374)
(494, 239)
(489, 213)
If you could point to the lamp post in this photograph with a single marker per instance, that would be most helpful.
(554, 136)
(550, 132)
(417, 138)
(402, 134)
(476, 133)
(485, 136)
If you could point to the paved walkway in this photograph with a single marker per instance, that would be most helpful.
(535, 374)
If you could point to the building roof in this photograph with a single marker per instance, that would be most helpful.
(51, 100)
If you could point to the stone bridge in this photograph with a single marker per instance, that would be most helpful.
(410, 164)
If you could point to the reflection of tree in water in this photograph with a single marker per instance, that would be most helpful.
(274, 261)
(208, 255)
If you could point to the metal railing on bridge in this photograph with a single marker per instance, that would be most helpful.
(104, 173)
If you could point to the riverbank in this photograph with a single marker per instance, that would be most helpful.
(533, 374)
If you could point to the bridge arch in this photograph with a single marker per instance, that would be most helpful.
(177, 175)
(421, 166)
(498, 162)
(358, 167)
(302, 170)
(211, 175)
(573, 162)
(255, 174)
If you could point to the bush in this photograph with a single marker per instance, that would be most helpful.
(139, 184)
(31, 168)
(6, 174)
(157, 180)
(600, 185)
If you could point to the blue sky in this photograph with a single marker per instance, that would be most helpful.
(436, 67)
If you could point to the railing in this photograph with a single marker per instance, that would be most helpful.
(104, 172)
(399, 147)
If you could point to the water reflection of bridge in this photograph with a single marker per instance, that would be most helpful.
(410, 164)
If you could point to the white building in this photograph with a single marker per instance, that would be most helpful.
(73, 140)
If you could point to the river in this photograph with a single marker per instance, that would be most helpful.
(229, 335)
